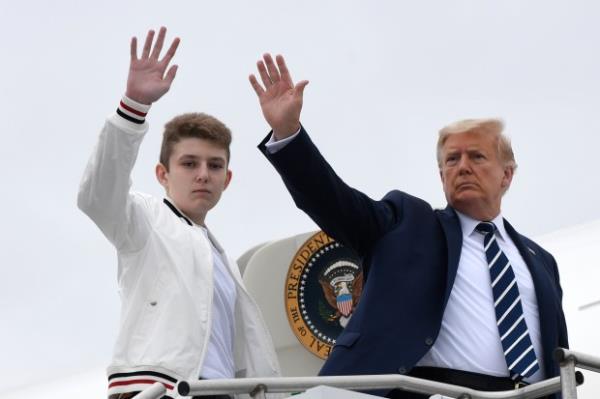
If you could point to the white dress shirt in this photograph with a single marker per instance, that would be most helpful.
(218, 362)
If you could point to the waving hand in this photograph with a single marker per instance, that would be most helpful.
(147, 81)
(280, 99)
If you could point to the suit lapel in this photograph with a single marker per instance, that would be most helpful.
(451, 225)
(545, 298)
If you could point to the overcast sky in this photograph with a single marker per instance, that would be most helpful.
(384, 77)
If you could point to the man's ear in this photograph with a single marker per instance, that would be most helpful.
(509, 172)
(228, 178)
(162, 175)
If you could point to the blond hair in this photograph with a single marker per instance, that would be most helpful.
(489, 126)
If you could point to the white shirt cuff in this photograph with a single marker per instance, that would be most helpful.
(273, 145)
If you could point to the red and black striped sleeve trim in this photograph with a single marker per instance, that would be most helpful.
(142, 373)
(139, 380)
(132, 110)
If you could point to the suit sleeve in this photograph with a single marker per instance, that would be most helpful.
(344, 213)
(104, 192)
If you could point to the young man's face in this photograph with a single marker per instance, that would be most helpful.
(196, 177)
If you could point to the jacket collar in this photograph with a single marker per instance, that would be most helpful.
(187, 220)
(177, 212)
(451, 225)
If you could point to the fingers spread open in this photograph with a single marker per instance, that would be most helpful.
(159, 43)
(171, 52)
(285, 73)
(264, 76)
(171, 74)
(273, 72)
(148, 44)
(256, 86)
(133, 48)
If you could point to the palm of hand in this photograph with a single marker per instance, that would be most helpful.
(279, 103)
(146, 81)
(280, 100)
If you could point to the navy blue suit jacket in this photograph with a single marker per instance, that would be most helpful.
(410, 255)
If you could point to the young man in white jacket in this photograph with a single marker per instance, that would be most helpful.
(185, 312)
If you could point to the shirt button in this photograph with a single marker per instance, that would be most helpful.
(428, 341)
(402, 370)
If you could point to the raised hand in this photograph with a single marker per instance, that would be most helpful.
(280, 99)
(147, 81)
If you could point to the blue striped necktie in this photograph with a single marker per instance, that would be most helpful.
(514, 335)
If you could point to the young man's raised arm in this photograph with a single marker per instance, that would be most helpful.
(104, 191)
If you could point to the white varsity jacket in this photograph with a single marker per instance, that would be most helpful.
(165, 277)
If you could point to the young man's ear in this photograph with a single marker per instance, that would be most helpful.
(162, 175)
(228, 178)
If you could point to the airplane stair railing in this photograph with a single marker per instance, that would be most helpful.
(155, 391)
(258, 387)
(568, 360)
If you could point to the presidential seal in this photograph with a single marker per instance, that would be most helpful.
(322, 289)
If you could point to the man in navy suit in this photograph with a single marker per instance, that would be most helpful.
(454, 295)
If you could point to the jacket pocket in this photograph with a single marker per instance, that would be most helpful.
(347, 339)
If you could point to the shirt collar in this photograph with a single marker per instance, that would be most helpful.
(468, 224)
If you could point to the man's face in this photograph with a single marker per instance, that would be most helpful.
(196, 177)
(473, 176)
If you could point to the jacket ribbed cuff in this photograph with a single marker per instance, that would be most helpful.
(132, 110)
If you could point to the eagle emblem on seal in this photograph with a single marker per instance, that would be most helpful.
(322, 289)
(342, 285)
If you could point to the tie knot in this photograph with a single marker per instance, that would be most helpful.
(485, 228)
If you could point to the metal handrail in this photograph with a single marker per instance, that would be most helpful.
(257, 387)
(568, 359)
(155, 391)
(582, 360)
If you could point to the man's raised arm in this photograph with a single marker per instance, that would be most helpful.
(344, 213)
